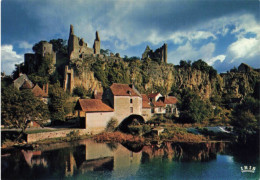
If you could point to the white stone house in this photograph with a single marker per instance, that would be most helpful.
(94, 114)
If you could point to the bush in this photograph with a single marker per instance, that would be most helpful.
(112, 125)
(73, 135)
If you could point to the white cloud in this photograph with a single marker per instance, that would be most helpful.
(188, 52)
(25, 45)
(244, 48)
(9, 58)
(220, 58)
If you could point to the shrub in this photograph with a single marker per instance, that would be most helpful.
(112, 125)
(73, 135)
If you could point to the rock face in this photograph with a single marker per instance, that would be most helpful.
(156, 77)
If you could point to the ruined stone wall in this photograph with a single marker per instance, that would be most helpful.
(32, 61)
(68, 83)
(77, 48)
(159, 54)
(96, 45)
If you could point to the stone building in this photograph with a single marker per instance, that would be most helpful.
(158, 107)
(124, 99)
(159, 54)
(78, 49)
(170, 103)
(146, 107)
(94, 114)
(23, 82)
(153, 97)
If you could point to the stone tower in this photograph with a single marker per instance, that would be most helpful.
(96, 45)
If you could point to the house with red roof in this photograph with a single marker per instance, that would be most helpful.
(158, 107)
(94, 114)
(170, 104)
(23, 82)
(154, 96)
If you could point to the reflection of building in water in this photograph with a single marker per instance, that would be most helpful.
(70, 165)
(100, 155)
(34, 158)
(122, 162)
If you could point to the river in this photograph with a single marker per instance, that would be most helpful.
(86, 159)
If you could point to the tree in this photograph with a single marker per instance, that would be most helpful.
(58, 100)
(192, 108)
(59, 45)
(245, 118)
(104, 52)
(21, 107)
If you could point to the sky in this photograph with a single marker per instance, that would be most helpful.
(223, 33)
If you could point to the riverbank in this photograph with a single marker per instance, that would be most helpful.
(110, 137)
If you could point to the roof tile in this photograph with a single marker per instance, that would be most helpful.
(94, 105)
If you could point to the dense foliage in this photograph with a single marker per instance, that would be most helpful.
(20, 107)
(192, 108)
(59, 45)
(246, 118)
(58, 104)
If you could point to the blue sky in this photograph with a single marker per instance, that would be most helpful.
(224, 33)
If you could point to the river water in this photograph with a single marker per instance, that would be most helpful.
(86, 159)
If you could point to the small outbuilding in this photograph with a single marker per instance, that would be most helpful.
(94, 114)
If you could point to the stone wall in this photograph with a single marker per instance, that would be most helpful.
(56, 134)
(146, 113)
(159, 54)
(45, 52)
(68, 83)
(77, 48)
(122, 106)
(97, 121)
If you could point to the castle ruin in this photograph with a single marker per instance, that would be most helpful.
(45, 50)
(159, 54)
(78, 49)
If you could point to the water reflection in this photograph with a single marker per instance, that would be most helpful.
(184, 151)
(87, 158)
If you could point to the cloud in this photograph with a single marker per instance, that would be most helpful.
(189, 52)
(25, 45)
(244, 48)
(9, 58)
(212, 60)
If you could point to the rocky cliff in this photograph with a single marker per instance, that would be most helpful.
(151, 76)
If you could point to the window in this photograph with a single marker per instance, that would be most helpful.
(131, 101)
(160, 110)
(131, 110)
